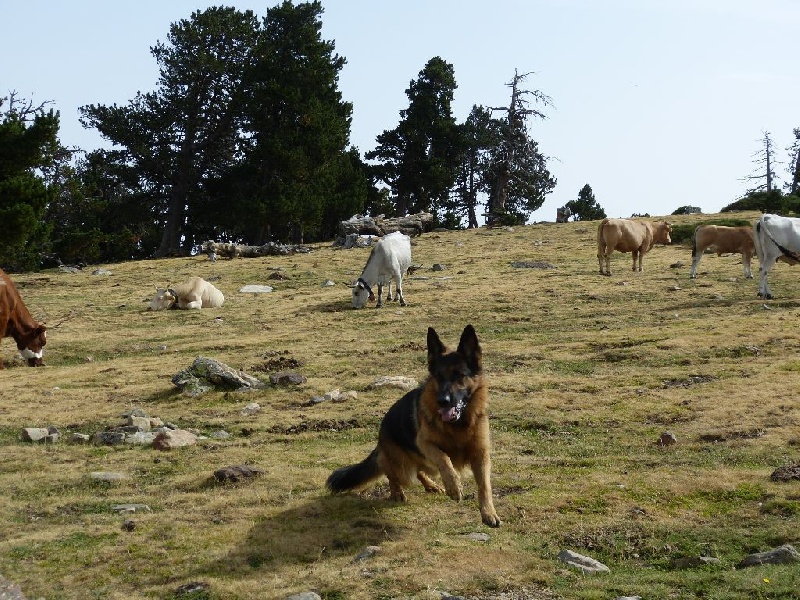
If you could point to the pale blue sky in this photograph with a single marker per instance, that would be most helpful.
(656, 104)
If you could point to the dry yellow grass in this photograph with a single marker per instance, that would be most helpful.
(586, 372)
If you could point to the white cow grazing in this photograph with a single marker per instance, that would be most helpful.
(389, 259)
(195, 293)
(776, 238)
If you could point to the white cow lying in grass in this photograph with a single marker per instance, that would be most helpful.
(195, 293)
(389, 259)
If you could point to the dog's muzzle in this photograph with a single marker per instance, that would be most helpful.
(451, 405)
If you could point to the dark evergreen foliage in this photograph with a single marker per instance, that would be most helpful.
(586, 207)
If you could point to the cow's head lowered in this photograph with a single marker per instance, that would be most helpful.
(361, 293)
(31, 345)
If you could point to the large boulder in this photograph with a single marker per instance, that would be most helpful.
(207, 374)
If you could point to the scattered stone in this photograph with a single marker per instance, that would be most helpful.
(80, 438)
(287, 378)
(398, 381)
(366, 553)
(786, 473)
(478, 536)
(10, 590)
(40, 434)
(251, 409)
(304, 596)
(667, 439)
(107, 476)
(692, 562)
(235, 473)
(206, 374)
(334, 396)
(142, 423)
(526, 264)
(108, 438)
(277, 276)
(141, 438)
(193, 587)
(437, 267)
(255, 289)
(130, 508)
(220, 435)
(782, 555)
(128, 525)
(674, 288)
(101, 272)
(329, 283)
(174, 438)
(584, 563)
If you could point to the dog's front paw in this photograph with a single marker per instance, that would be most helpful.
(490, 518)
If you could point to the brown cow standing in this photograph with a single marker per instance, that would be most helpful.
(16, 322)
(625, 235)
(723, 239)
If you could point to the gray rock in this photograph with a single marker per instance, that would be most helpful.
(366, 553)
(108, 438)
(255, 289)
(304, 596)
(142, 423)
(782, 555)
(235, 473)
(174, 438)
(141, 438)
(584, 563)
(251, 409)
(207, 374)
(287, 378)
(10, 590)
(35, 434)
(478, 537)
(398, 381)
(130, 508)
(667, 439)
(80, 438)
(220, 435)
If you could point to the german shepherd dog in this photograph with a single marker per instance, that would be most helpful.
(440, 427)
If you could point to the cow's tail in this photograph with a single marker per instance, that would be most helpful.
(757, 239)
(601, 239)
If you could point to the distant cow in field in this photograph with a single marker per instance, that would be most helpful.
(16, 322)
(389, 259)
(195, 293)
(724, 240)
(626, 235)
(776, 238)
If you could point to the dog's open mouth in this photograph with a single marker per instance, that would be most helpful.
(452, 413)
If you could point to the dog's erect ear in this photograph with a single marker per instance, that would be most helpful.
(435, 346)
(470, 349)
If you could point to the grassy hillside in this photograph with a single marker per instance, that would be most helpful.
(586, 372)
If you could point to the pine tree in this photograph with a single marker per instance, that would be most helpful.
(419, 157)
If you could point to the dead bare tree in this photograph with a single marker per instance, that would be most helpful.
(765, 166)
(515, 142)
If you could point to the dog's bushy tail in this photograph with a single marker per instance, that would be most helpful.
(355, 476)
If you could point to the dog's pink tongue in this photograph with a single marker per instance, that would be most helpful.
(448, 414)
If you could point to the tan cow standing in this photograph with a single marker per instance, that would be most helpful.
(737, 240)
(626, 235)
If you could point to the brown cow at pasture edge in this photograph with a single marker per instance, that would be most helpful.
(626, 235)
(16, 322)
(724, 240)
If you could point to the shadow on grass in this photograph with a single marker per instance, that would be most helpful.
(319, 529)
